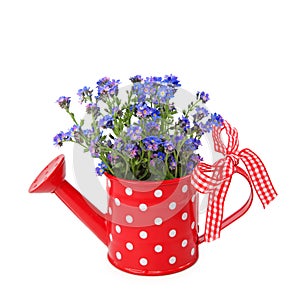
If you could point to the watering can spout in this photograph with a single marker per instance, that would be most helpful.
(52, 180)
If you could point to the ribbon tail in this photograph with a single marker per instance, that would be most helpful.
(215, 209)
(259, 176)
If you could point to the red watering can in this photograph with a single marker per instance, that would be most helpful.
(151, 227)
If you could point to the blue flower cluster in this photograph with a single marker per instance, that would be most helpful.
(74, 134)
(204, 97)
(143, 110)
(61, 137)
(107, 87)
(151, 143)
(101, 168)
(93, 109)
(106, 121)
(144, 137)
(155, 89)
(64, 102)
(85, 94)
(134, 133)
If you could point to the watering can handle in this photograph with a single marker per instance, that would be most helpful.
(236, 215)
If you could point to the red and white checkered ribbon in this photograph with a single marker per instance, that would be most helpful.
(215, 179)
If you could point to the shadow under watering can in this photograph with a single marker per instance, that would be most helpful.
(150, 228)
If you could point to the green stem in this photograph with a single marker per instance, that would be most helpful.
(191, 107)
(72, 116)
(147, 169)
(169, 175)
(177, 152)
(103, 159)
(84, 146)
(94, 124)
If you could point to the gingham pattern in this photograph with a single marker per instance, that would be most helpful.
(215, 179)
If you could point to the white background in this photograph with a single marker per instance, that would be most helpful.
(244, 53)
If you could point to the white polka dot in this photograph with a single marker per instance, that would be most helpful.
(193, 225)
(184, 216)
(193, 251)
(184, 243)
(172, 205)
(109, 211)
(143, 234)
(129, 219)
(143, 261)
(184, 188)
(117, 202)
(110, 237)
(158, 248)
(158, 193)
(129, 246)
(118, 255)
(158, 221)
(108, 183)
(172, 260)
(143, 207)
(118, 229)
(128, 191)
(172, 233)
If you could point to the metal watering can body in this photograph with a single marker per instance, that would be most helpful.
(152, 225)
(150, 228)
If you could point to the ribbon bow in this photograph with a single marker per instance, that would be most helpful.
(215, 179)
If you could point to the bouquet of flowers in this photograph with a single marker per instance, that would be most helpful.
(144, 137)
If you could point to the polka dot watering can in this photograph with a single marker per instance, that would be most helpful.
(150, 228)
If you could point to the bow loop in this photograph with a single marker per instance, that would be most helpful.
(211, 176)
(215, 179)
(233, 141)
